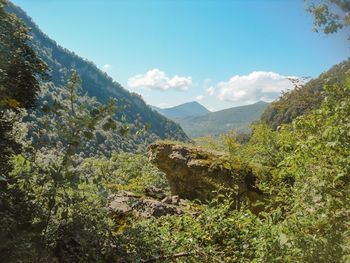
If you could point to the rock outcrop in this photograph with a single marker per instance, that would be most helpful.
(155, 192)
(195, 173)
(125, 203)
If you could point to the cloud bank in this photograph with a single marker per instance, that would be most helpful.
(157, 80)
(256, 86)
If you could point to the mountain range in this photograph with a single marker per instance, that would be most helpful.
(197, 121)
(132, 108)
(188, 109)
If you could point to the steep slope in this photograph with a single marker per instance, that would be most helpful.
(98, 84)
(189, 109)
(215, 123)
(303, 99)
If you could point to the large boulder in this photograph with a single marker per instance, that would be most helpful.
(125, 203)
(195, 173)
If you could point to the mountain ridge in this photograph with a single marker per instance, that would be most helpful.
(187, 109)
(215, 123)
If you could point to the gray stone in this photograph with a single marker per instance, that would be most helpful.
(155, 192)
(127, 203)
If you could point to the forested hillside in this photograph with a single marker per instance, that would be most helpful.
(131, 107)
(70, 194)
(304, 98)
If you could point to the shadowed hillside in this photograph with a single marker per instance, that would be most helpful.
(303, 99)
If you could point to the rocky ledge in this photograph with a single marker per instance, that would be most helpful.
(125, 203)
(195, 173)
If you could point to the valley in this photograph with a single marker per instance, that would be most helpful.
(204, 123)
(91, 172)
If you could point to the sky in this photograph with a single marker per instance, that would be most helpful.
(219, 53)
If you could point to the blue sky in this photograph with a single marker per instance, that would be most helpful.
(221, 53)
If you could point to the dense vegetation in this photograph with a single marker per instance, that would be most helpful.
(60, 163)
(303, 168)
(304, 98)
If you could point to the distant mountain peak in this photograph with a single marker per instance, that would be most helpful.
(191, 103)
(216, 123)
(261, 102)
(188, 109)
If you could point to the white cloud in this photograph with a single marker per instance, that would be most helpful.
(163, 105)
(199, 97)
(106, 67)
(210, 91)
(158, 80)
(258, 85)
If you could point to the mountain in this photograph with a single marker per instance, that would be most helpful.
(132, 108)
(305, 98)
(189, 109)
(216, 123)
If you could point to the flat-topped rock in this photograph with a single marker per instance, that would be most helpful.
(195, 173)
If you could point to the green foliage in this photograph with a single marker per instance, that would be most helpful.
(68, 211)
(20, 70)
(125, 171)
(305, 172)
(73, 122)
(303, 98)
(53, 202)
(19, 64)
(330, 15)
(320, 165)
(56, 197)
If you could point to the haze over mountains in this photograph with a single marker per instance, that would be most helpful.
(198, 121)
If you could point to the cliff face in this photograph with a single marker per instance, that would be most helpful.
(194, 173)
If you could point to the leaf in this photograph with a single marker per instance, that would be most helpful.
(94, 112)
(46, 108)
(124, 130)
(12, 103)
(88, 135)
(2, 178)
(64, 214)
(283, 239)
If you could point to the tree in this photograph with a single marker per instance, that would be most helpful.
(20, 71)
(69, 218)
(330, 15)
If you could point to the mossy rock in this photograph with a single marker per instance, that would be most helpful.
(196, 173)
